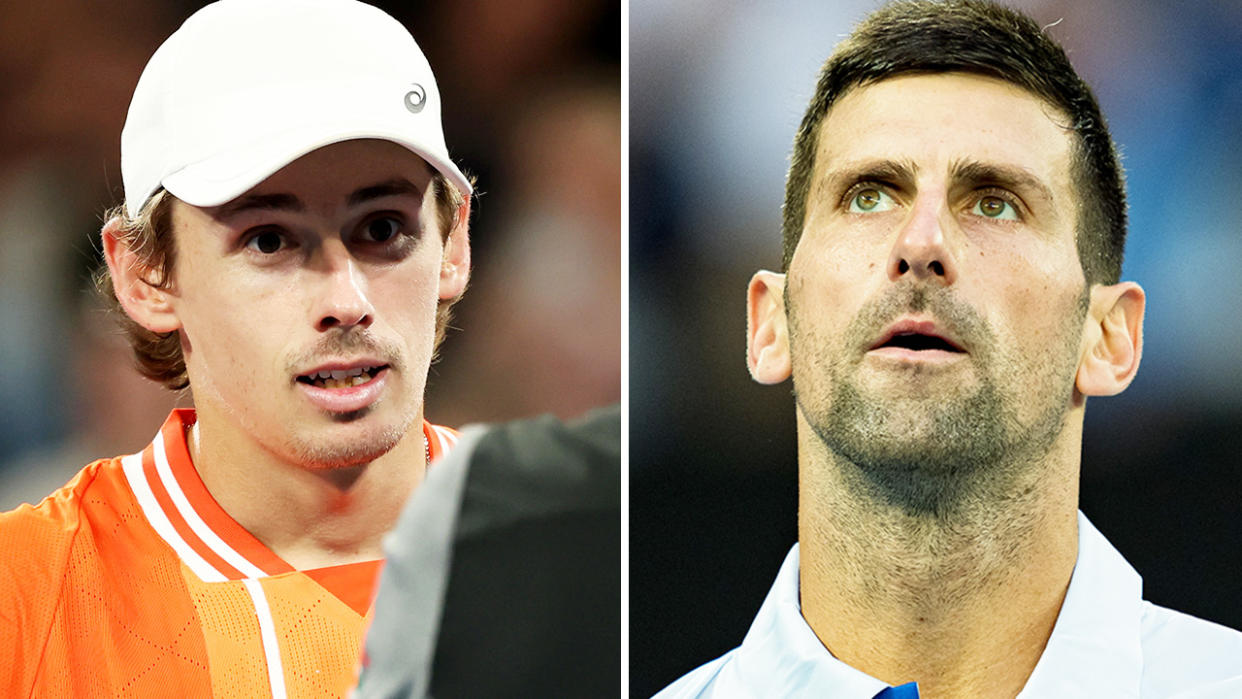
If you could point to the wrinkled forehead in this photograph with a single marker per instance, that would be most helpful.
(932, 120)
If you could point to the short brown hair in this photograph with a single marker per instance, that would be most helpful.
(150, 236)
(981, 37)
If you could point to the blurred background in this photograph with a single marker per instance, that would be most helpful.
(717, 89)
(532, 108)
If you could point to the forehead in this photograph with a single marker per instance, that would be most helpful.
(933, 120)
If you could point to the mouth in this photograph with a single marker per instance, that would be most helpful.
(917, 342)
(914, 338)
(341, 378)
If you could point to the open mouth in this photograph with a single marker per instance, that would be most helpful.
(919, 342)
(341, 378)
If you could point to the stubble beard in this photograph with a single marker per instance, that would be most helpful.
(937, 456)
(322, 452)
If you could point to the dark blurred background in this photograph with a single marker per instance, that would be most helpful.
(532, 108)
(717, 88)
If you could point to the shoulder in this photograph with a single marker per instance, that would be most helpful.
(1183, 653)
(556, 465)
(33, 537)
(780, 655)
(542, 474)
(700, 682)
(57, 515)
(36, 546)
(36, 541)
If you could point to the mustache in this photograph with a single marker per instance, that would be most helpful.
(346, 343)
(957, 318)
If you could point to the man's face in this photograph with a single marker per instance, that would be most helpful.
(333, 265)
(935, 301)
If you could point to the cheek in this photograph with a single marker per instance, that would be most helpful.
(234, 329)
(1039, 315)
(829, 278)
(236, 345)
(405, 299)
(827, 285)
(1027, 270)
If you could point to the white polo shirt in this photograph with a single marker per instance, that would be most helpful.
(1107, 642)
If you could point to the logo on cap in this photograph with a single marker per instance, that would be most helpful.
(415, 99)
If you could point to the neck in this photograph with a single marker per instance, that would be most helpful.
(962, 601)
(326, 516)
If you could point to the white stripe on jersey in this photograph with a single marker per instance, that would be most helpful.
(267, 631)
(197, 525)
(158, 520)
(446, 438)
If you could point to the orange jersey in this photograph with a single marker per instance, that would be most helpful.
(132, 581)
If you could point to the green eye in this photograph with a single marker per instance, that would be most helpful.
(995, 207)
(870, 200)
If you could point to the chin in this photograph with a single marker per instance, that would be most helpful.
(354, 445)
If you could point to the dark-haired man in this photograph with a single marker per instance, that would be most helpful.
(954, 224)
(293, 234)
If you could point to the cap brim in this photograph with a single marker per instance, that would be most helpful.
(225, 176)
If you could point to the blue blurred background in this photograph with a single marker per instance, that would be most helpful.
(532, 108)
(717, 88)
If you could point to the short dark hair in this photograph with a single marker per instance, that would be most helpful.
(150, 236)
(980, 37)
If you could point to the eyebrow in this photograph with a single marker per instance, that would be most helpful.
(974, 174)
(891, 171)
(281, 201)
(971, 173)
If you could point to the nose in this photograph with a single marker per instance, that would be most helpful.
(343, 302)
(921, 249)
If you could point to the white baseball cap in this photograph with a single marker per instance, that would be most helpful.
(245, 87)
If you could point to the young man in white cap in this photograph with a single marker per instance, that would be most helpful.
(293, 235)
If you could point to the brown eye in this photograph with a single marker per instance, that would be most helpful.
(381, 230)
(267, 242)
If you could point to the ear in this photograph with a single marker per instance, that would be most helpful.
(767, 335)
(148, 305)
(455, 264)
(1112, 339)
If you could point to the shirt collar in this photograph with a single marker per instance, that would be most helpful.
(1094, 649)
(178, 506)
(782, 656)
(1096, 645)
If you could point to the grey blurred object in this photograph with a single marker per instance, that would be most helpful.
(503, 575)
